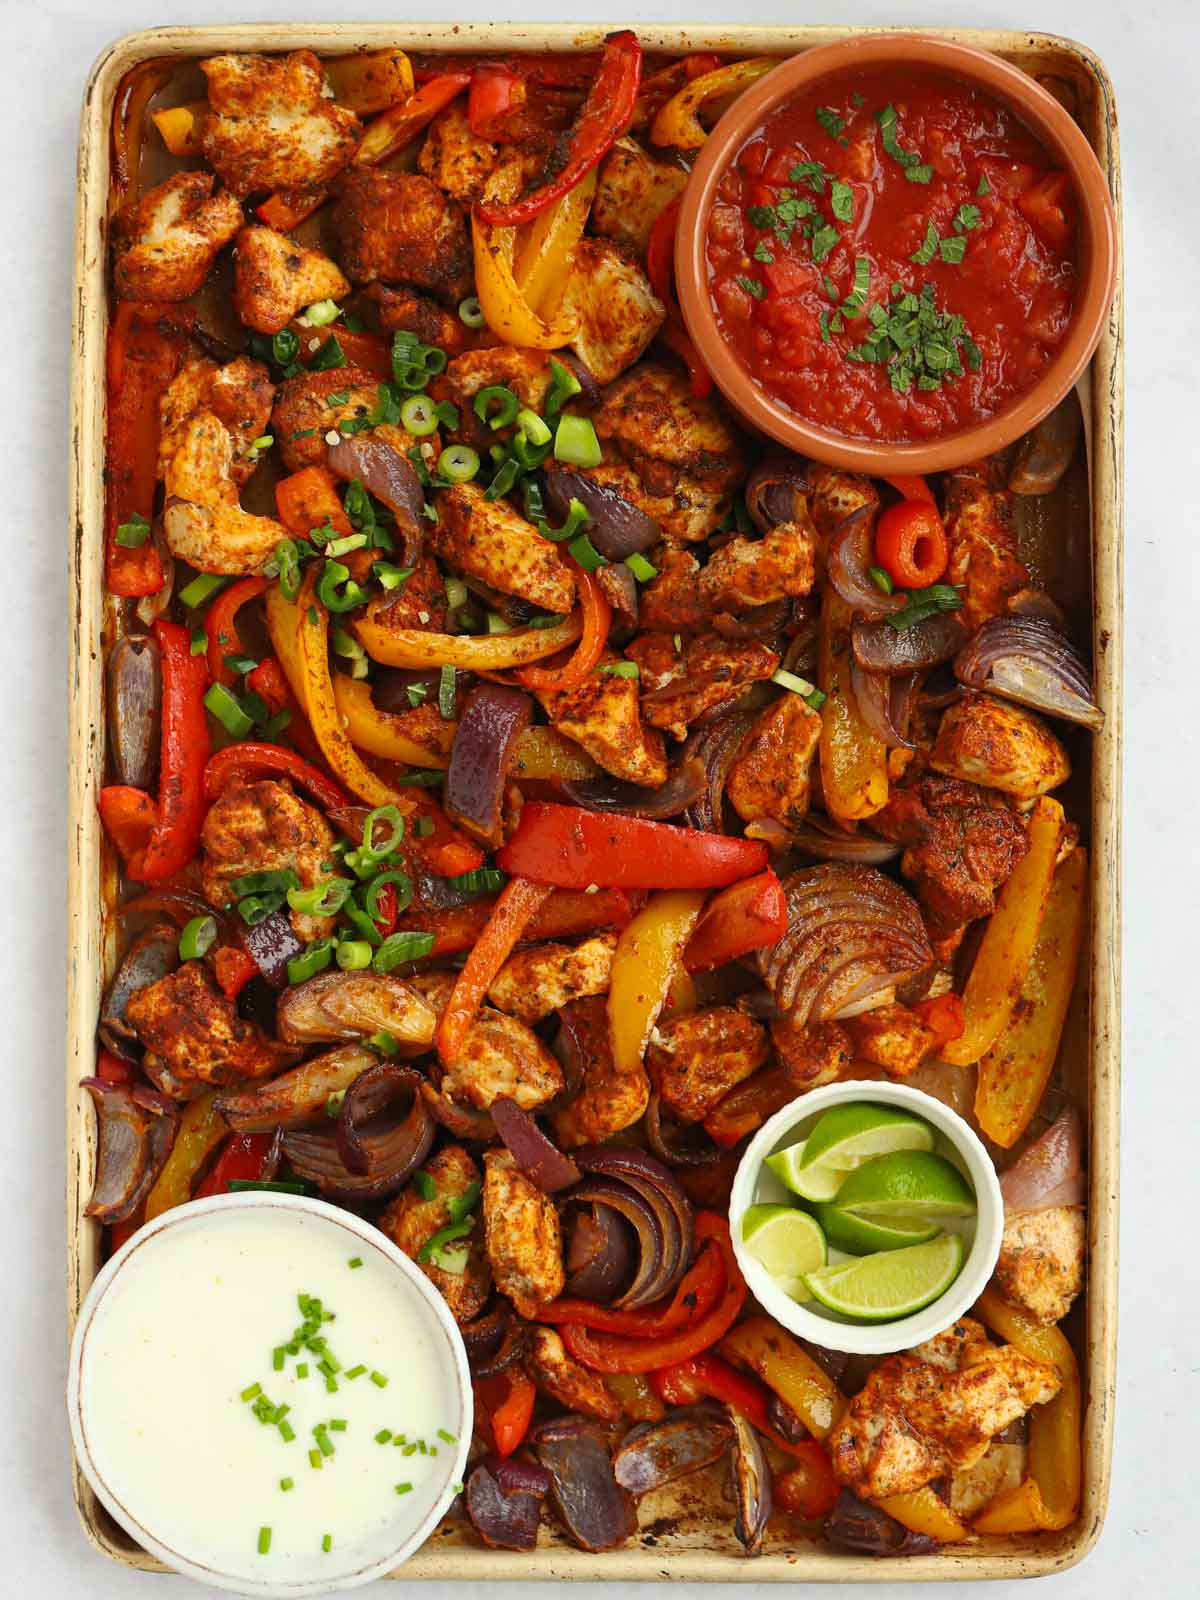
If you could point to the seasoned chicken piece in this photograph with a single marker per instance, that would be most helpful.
(920, 1416)
(834, 495)
(165, 245)
(961, 845)
(238, 394)
(410, 1222)
(270, 125)
(526, 372)
(983, 544)
(264, 827)
(753, 572)
(679, 688)
(564, 1380)
(501, 1056)
(891, 1037)
(1040, 1269)
(538, 980)
(400, 227)
(999, 745)
(632, 190)
(275, 278)
(671, 454)
(203, 522)
(696, 1058)
(419, 602)
(772, 773)
(417, 313)
(610, 1100)
(813, 1054)
(524, 1241)
(602, 715)
(194, 1036)
(310, 406)
(457, 160)
(674, 600)
(617, 310)
(487, 539)
(1002, 1466)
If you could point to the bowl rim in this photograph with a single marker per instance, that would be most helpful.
(874, 1338)
(195, 1212)
(1046, 118)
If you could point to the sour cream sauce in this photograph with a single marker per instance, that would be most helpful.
(192, 1321)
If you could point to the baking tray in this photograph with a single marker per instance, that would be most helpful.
(687, 1537)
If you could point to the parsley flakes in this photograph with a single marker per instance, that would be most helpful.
(915, 170)
(754, 286)
(830, 121)
(917, 343)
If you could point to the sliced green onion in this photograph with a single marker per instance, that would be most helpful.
(418, 416)
(481, 880)
(287, 559)
(264, 1541)
(496, 405)
(327, 1543)
(241, 664)
(575, 442)
(201, 589)
(338, 1424)
(585, 552)
(287, 1483)
(199, 641)
(403, 1488)
(444, 1236)
(388, 817)
(323, 900)
(447, 1438)
(383, 1436)
(399, 947)
(133, 534)
(227, 709)
(622, 669)
(801, 686)
(197, 939)
(336, 590)
(252, 1393)
(448, 693)
(456, 593)
(376, 887)
(532, 426)
(642, 569)
(355, 1372)
(389, 576)
(329, 356)
(504, 479)
(378, 1379)
(384, 1044)
(322, 314)
(310, 961)
(314, 1459)
(353, 955)
(564, 385)
(278, 1355)
(471, 312)
(460, 1206)
(458, 462)
(285, 347)
(577, 517)
(496, 623)
(341, 547)
(426, 1187)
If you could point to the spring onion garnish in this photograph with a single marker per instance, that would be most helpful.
(314, 1459)
(481, 880)
(409, 1450)
(225, 706)
(924, 603)
(324, 1442)
(383, 1436)
(447, 1438)
(327, 1543)
(418, 416)
(133, 534)
(197, 939)
(423, 1183)
(338, 1424)
(278, 1356)
(199, 640)
(264, 1540)
(353, 955)
(252, 1393)
(287, 1483)
(585, 552)
(457, 1487)
(378, 1379)
(642, 569)
(286, 1430)
(399, 947)
(882, 579)
(458, 463)
(201, 589)
(322, 314)
(337, 590)
(575, 442)
(403, 1488)
(312, 960)
(323, 899)
(355, 1372)
(801, 686)
(471, 312)
(622, 669)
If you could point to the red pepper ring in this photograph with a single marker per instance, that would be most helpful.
(504, 1407)
(221, 627)
(185, 746)
(695, 1297)
(911, 544)
(255, 760)
(607, 112)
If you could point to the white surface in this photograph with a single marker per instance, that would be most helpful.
(1152, 49)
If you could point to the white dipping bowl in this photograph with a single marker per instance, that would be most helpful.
(410, 1299)
(753, 1184)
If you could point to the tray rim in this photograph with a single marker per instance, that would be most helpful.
(1027, 1556)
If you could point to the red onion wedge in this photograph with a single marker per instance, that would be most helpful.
(485, 1334)
(596, 1511)
(676, 1146)
(652, 1455)
(135, 1132)
(620, 1175)
(503, 1520)
(682, 789)
(390, 1147)
(752, 1484)
(716, 746)
(617, 529)
(879, 648)
(152, 956)
(777, 490)
(390, 477)
(1046, 451)
(492, 719)
(818, 836)
(134, 682)
(867, 1530)
(872, 692)
(601, 1255)
(297, 1097)
(1027, 660)
(537, 1156)
(1050, 1172)
(849, 564)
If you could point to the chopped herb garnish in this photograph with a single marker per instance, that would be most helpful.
(264, 1541)
(952, 250)
(287, 1483)
(927, 249)
(762, 252)
(841, 201)
(852, 305)
(830, 121)
(824, 323)
(966, 218)
(754, 286)
(448, 1438)
(133, 534)
(812, 173)
(383, 1436)
(857, 99)
(910, 160)
(823, 240)
(919, 174)
(403, 1488)
(378, 1379)
(984, 186)
(355, 1372)
(621, 669)
(355, 1261)
(924, 603)
(252, 1393)
(327, 1543)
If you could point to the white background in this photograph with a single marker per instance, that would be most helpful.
(1152, 48)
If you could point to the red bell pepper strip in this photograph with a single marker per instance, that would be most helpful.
(446, 852)
(749, 916)
(221, 626)
(707, 1377)
(490, 98)
(911, 488)
(809, 1488)
(130, 817)
(144, 354)
(572, 848)
(233, 969)
(255, 760)
(511, 914)
(660, 269)
(111, 1069)
(695, 1297)
(504, 1404)
(364, 350)
(597, 618)
(945, 1015)
(607, 112)
(184, 751)
(613, 1352)
(244, 1156)
(565, 915)
(269, 681)
(386, 902)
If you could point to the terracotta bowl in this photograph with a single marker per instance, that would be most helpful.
(1096, 246)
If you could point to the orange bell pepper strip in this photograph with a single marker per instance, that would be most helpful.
(252, 760)
(401, 124)
(678, 126)
(808, 1489)
(385, 733)
(129, 816)
(746, 1108)
(565, 915)
(854, 774)
(572, 848)
(179, 127)
(614, 1352)
(747, 916)
(201, 1129)
(545, 753)
(184, 750)
(288, 208)
(643, 969)
(944, 1016)
(707, 1377)
(698, 1291)
(370, 82)
(445, 850)
(309, 499)
(511, 915)
(505, 1406)
(597, 619)
(474, 652)
(233, 968)
(924, 1511)
(507, 312)
(221, 626)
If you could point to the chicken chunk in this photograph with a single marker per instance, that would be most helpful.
(983, 544)
(194, 1036)
(834, 495)
(673, 455)
(1001, 1467)
(999, 745)
(1040, 1269)
(165, 245)
(891, 1037)
(674, 600)
(535, 982)
(419, 602)
(521, 1230)
(564, 1380)
(264, 827)
(312, 404)
(602, 715)
(270, 125)
(275, 278)
(501, 1056)
(410, 1222)
(711, 671)
(238, 394)
(753, 572)
(933, 1410)
(487, 539)
(455, 158)
(632, 191)
(526, 372)
(771, 775)
(400, 227)
(617, 310)
(405, 309)
(696, 1058)
(203, 521)
(813, 1054)
(611, 1100)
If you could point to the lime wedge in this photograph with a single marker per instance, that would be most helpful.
(891, 1284)
(810, 1183)
(857, 1237)
(895, 1201)
(787, 1242)
(849, 1135)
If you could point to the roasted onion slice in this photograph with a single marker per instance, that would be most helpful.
(617, 529)
(152, 956)
(648, 1195)
(849, 564)
(391, 1147)
(878, 647)
(682, 789)
(777, 490)
(676, 1146)
(716, 745)
(872, 692)
(135, 1132)
(297, 1097)
(658, 1453)
(1027, 660)
(537, 1156)
(503, 1519)
(1050, 1172)
(752, 1484)
(492, 720)
(818, 836)
(390, 477)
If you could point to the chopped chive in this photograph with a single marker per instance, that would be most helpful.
(433, 1449)
(331, 1383)
(403, 1488)
(302, 1370)
(422, 1447)
(280, 1413)
(253, 1392)
(278, 1356)
(264, 1541)
(383, 1436)
(409, 1450)
(449, 1438)
(457, 1487)
(287, 1483)
(400, 1439)
(314, 1459)
(338, 1424)
(327, 1543)
(355, 1261)
(378, 1379)
(356, 1372)
(288, 1432)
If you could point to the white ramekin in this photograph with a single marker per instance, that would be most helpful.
(871, 1339)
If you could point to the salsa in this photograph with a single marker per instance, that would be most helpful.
(893, 257)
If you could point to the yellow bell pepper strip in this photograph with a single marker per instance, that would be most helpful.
(1014, 1072)
(786, 1367)
(384, 733)
(1017, 1510)
(519, 902)
(482, 652)
(283, 627)
(853, 761)
(1006, 950)
(677, 125)
(644, 964)
(549, 755)
(179, 127)
(924, 1511)
(1055, 1429)
(370, 82)
(544, 259)
(201, 1129)
(506, 311)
